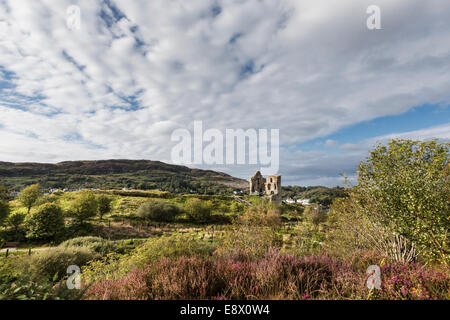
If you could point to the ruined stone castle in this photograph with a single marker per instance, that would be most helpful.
(269, 187)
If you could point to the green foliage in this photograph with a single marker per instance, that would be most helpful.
(315, 214)
(15, 220)
(237, 207)
(4, 211)
(52, 263)
(156, 210)
(318, 194)
(405, 186)
(252, 233)
(4, 194)
(83, 207)
(104, 205)
(197, 210)
(96, 244)
(45, 223)
(174, 246)
(30, 195)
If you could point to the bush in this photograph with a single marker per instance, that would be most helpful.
(274, 276)
(156, 210)
(45, 223)
(53, 262)
(197, 210)
(252, 233)
(316, 215)
(96, 244)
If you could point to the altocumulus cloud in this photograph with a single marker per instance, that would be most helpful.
(137, 70)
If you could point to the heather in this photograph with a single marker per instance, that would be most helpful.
(275, 276)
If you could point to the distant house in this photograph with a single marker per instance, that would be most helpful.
(289, 200)
(303, 202)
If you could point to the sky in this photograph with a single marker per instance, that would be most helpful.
(136, 70)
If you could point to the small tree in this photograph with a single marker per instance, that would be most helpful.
(104, 205)
(29, 196)
(198, 210)
(84, 207)
(405, 186)
(4, 211)
(45, 223)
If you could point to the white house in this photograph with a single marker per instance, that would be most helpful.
(303, 201)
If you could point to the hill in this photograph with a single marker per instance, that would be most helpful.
(139, 174)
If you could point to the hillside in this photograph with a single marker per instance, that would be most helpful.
(139, 174)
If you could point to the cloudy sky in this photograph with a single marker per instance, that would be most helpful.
(137, 70)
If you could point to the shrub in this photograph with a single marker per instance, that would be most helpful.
(316, 215)
(198, 210)
(352, 231)
(84, 207)
(156, 210)
(252, 233)
(53, 262)
(413, 282)
(48, 198)
(45, 223)
(95, 244)
(274, 276)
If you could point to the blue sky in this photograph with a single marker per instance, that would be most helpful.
(136, 71)
(417, 118)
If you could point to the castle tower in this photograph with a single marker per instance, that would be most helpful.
(257, 183)
(273, 188)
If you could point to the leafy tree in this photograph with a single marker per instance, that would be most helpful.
(405, 186)
(29, 196)
(4, 211)
(45, 223)
(104, 205)
(198, 210)
(15, 220)
(84, 207)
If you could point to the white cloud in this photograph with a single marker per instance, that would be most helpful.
(118, 86)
